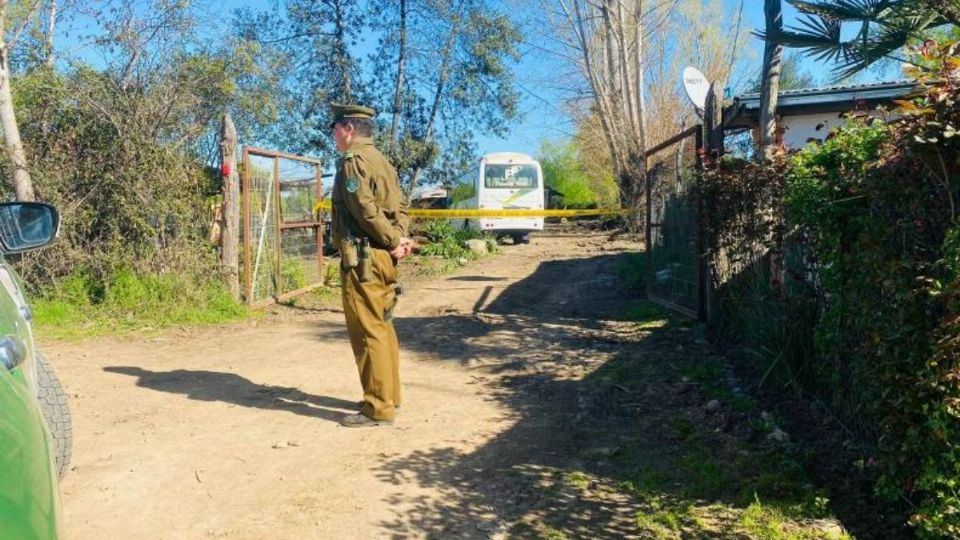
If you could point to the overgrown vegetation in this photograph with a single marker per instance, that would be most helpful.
(81, 307)
(121, 155)
(852, 295)
(563, 171)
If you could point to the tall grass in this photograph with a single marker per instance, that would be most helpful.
(82, 306)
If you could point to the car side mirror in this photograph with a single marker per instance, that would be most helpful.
(26, 226)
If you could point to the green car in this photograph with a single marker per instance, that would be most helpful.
(35, 428)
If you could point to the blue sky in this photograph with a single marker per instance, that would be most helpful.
(541, 116)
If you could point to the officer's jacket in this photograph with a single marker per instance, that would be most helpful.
(367, 200)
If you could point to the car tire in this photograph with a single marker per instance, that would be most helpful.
(56, 411)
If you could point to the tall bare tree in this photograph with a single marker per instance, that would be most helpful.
(606, 38)
(48, 57)
(401, 74)
(10, 31)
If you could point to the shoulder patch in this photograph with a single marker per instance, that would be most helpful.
(353, 184)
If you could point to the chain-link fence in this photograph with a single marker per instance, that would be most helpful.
(282, 232)
(674, 277)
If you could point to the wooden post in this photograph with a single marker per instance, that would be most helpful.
(770, 82)
(713, 123)
(703, 273)
(230, 236)
(711, 139)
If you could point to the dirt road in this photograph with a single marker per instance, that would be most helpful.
(232, 432)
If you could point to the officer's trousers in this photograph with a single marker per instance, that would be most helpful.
(372, 336)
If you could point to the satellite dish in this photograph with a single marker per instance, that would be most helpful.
(696, 85)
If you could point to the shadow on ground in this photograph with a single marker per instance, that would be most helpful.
(231, 388)
(613, 432)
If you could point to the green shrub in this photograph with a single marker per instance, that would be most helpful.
(563, 173)
(447, 241)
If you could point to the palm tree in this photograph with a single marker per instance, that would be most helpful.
(885, 26)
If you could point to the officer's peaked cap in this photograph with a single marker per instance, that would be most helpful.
(340, 112)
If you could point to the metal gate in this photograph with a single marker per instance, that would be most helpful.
(282, 231)
(675, 271)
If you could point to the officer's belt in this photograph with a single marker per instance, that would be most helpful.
(373, 243)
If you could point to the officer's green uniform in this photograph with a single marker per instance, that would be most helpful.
(368, 208)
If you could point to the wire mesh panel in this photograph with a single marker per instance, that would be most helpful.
(282, 231)
(300, 247)
(674, 273)
(260, 228)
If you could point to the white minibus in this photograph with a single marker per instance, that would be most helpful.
(504, 180)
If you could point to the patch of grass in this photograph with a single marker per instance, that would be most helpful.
(632, 269)
(667, 518)
(430, 266)
(541, 531)
(577, 479)
(130, 302)
(683, 428)
(706, 476)
(711, 378)
(547, 532)
(646, 311)
(770, 522)
(661, 523)
(762, 522)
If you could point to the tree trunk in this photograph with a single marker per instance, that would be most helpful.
(22, 184)
(600, 94)
(611, 78)
(437, 96)
(641, 108)
(401, 64)
(626, 76)
(342, 54)
(771, 78)
(51, 28)
(230, 230)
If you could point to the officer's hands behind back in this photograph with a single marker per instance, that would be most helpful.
(404, 248)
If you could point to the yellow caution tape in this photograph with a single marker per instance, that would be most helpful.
(455, 213)
(459, 213)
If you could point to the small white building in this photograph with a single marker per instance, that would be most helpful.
(810, 113)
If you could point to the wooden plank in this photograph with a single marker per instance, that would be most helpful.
(276, 154)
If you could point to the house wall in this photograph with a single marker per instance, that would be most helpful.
(802, 127)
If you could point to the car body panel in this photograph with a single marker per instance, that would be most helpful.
(29, 498)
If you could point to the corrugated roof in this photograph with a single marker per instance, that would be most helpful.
(900, 84)
(745, 109)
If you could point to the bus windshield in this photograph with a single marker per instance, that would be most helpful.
(510, 176)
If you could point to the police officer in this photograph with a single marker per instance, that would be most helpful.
(370, 221)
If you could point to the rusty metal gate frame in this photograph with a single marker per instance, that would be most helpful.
(280, 226)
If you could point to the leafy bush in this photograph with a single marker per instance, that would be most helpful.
(563, 172)
(447, 241)
(872, 227)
